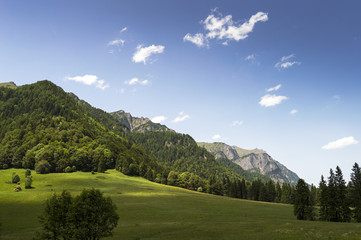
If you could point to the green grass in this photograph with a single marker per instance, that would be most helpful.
(153, 211)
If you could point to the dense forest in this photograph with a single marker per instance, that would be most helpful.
(44, 128)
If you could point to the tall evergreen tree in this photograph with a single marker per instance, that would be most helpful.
(323, 199)
(343, 212)
(303, 209)
(355, 191)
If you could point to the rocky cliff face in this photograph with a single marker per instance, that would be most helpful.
(141, 124)
(255, 160)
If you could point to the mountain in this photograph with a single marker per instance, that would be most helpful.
(256, 161)
(141, 124)
(43, 126)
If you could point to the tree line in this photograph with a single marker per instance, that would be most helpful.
(336, 201)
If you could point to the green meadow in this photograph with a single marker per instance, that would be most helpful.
(149, 210)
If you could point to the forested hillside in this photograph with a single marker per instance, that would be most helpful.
(181, 153)
(43, 127)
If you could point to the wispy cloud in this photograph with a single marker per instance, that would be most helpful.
(143, 53)
(294, 111)
(285, 63)
(159, 119)
(89, 80)
(340, 143)
(224, 28)
(135, 81)
(123, 29)
(271, 100)
(181, 117)
(236, 123)
(198, 39)
(116, 42)
(274, 88)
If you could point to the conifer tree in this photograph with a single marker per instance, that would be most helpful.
(323, 199)
(303, 209)
(343, 212)
(355, 191)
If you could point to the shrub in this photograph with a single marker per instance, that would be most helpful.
(28, 182)
(68, 169)
(200, 189)
(27, 173)
(15, 178)
(5, 166)
(73, 169)
(42, 167)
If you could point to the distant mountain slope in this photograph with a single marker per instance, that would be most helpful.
(256, 160)
(8, 85)
(141, 124)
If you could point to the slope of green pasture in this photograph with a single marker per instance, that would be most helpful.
(153, 211)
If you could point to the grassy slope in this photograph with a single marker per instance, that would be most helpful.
(152, 211)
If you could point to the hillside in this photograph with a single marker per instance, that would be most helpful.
(8, 85)
(256, 160)
(149, 210)
(41, 125)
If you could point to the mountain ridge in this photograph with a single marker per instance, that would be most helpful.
(255, 160)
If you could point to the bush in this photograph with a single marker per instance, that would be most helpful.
(200, 189)
(27, 173)
(15, 178)
(73, 169)
(87, 216)
(68, 169)
(42, 167)
(28, 182)
(5, 166)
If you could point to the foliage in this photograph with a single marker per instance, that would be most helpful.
(28, 182)
(28, 173)
(303, 208)
(355, 190)
(87, 216)
(15, 178)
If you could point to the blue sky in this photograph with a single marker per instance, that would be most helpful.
(283, 76)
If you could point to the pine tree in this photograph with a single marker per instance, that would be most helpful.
(323, 199)
(355, 191)
(303, 209)
(343, 212)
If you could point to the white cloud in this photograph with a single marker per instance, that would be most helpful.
(198, 39)
(236, 123)
(89, 80)
(285, 58)
(284, 63)
(294, 111)
(340, 143)
(217, 137)
(123, 29)
(135, 81)
(116, 42)
(271, 100)
(181, 117)
(143, 53)
(251, 57)
(224, 28)
(274, 88)
(159, 119)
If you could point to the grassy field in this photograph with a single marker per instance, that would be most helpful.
(153, 211)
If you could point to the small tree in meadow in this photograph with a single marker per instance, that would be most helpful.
(15, 178)
(28, 182)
